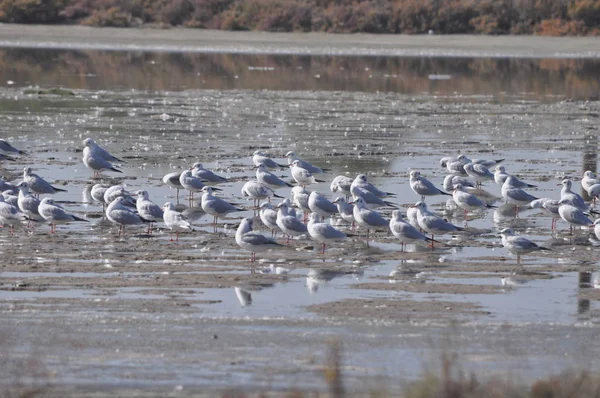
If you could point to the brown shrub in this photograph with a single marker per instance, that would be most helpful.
(587, 11)
(110, 17)
(32, 11)
(558, 27)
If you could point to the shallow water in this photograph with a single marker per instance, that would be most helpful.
(350, 120)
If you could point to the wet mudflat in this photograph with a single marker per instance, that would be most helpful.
(85, 309)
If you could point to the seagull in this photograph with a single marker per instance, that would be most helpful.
(361, 182)
(172, 180)
(11, 215)
(368, 219)
(345, 209)
(500, 175)
(258, 157)
(302, 176)
(6, 147)
(257, 191)
(573, 215)
(300, 197)
(341, 184)
(455, 167)
(118, 213)
(433, 223)
(97, 193)
(572, 198)
(487, 163)
(320, 205)
(96, 162)
(268, 216)
(411, 216)
(406, 232)
(588, 180)
(37, 184)
(372, 201)
(147, 209)
(103, 153)
(271, 180)
(478, 172)
(10, 197)
(291, 157)
(514, 195)
(322, 232)
(597, 228)
(111, 193)
(175, 221)
(549, 206)
(206, 175)
(216, 207)
(422, 186)
(468, 201)
(28, 204)
(253, 241)
(451, 180)
(289, 224)
(191, 183)
(56, 214)
(517, 244)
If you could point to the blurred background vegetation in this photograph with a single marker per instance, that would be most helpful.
(541, 17)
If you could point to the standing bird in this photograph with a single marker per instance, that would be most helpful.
(515, 196)
(361, 182)
(6, 147)
(259, 157)
(175, 221)
(300, 198)
(405, 232)
(11, 198)
(55, 214)
(478, 172)
(96, 162)
(548, 206)
(97, 193)
(216, 207)
(268, 216)
(11, 215)
(432, 223)
(119, 214)
(28, 204)
(517, 244)
(288, 223)
(302, 176)
(588, 180)
(345, 209)
(573, 198)
(257, 191)
(573, 215)
(423, 187)
(37, 184)
(271, 180)
(172, 180)
(368, 219)
(116, 191)
(147, 209)
(500, 175)
(487, 163)
(206, 175)
(323, 233)
(103, 153)
(253, 241)
(320, 205)
(454, 167)
(468, 201)
(450, 181)
(291, 157)
(341, 185)
(191, 183)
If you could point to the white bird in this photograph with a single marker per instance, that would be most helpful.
(323, 233)
(573, 215)
(88, 142)
(115, 191)
(175, 221)
(432, 223)
(361, 182)
(289, 224)
(291, 157)
(411, 215)
(268, 216)
(478, 172)
(271, 180)
(253, 241)
(95, 161)
(345, 209)
(300, 197)
(302, 176)
(206, 175)
(28, 204)
(588, 180)
(259, 157)
(55, 214)
(11, 215)
(215, 206)
(572, 198)
(597, 228)
(422, 186)
(341, 184)
(405, 232)
(515, 196)
(518, 245)
(451, 180)
(468, 201)
(191, 183)
(147, 209)
(37, 184)
(487, 163)
(119, 214)
(454, 167)
(172, 180)
(368, 219)
(257, 191)
(548, 206)
(11, 198)
(500, 175)
(6, 147)
(320, 205)
(97, 193)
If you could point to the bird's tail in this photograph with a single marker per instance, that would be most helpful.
(115, 170)
(59, 189)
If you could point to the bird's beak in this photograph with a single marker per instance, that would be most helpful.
(216, 189)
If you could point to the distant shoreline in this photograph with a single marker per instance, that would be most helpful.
(213, 41)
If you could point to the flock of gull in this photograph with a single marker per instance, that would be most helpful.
(303, 213)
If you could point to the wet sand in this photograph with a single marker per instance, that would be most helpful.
(193, 40)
